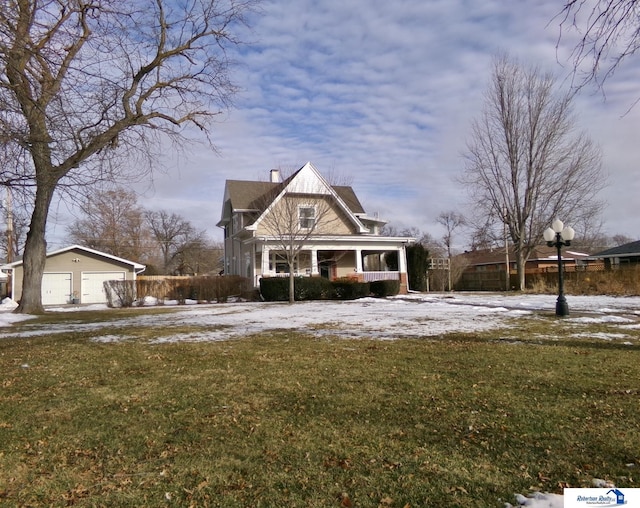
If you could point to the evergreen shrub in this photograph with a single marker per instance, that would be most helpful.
(417, 265)
(350, 289)
(312, 288)
(382, 288)
(276, 289)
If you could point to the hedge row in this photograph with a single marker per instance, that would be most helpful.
(275, 289)
(382, 288)
(209, 289)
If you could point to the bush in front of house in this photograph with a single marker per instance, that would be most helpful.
(350, 289)
(382, 288)
(312, 288)
(276, 289)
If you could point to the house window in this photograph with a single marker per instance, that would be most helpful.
(278, 263)
(307, 216)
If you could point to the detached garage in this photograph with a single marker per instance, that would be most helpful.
(75, 275)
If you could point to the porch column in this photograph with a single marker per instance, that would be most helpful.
(358, 260)
(402, 259)
(314, 262)
(402, 267)
(265, 260)
(254, 262)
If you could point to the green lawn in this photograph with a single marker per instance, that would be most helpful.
(286, 420)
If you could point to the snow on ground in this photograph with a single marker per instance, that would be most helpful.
(414, 315)
(539, 500)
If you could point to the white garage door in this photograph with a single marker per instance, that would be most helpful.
(56, 288)
(93, 285)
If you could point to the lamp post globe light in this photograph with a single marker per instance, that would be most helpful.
(557, 236)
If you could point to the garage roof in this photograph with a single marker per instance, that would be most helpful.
(136, 266)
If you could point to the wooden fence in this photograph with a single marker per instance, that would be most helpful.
(186, 287)
(591, 278)
(159, 286)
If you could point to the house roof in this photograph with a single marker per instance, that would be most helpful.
(539, 253)
(137, 266)
(251, 195)
(627, 249)
(258, 197)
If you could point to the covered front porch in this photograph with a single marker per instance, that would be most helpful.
(365, 265)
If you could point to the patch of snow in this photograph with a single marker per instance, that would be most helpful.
(602, 335)
(539, 500)
(8, 304)
(7, 317)
(599, 483)
(601, 319)
(148, 301)
(89, 307)
(109, 338)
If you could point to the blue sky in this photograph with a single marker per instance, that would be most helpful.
(382, 93)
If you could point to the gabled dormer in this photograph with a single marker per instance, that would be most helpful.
(307, 181)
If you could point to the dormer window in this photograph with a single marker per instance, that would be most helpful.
(307, 217)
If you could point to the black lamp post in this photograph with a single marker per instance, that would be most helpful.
(557, 236)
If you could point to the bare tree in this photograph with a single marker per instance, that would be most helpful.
(485, 235)
(609, 33)
(621, 239)
(198, 255)
(86, 84)
(174, 235)
(295, 215)
(112, 222)
(435, 247)
(423, 238)
(525, 162)
(451, 221)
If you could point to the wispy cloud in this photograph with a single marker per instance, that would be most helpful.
(384, 92)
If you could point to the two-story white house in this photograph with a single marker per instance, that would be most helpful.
(324, 226)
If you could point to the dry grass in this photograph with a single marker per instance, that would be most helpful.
(622, 282)
(289, 420)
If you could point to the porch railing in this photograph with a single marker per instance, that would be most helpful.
(364, 276)
(373, 276)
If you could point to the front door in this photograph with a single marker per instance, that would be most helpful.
(327, 269)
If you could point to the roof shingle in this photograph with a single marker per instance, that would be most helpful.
(255, 195)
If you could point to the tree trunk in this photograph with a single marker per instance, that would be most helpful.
(292, 296)
(35, 254)
(520, 264)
